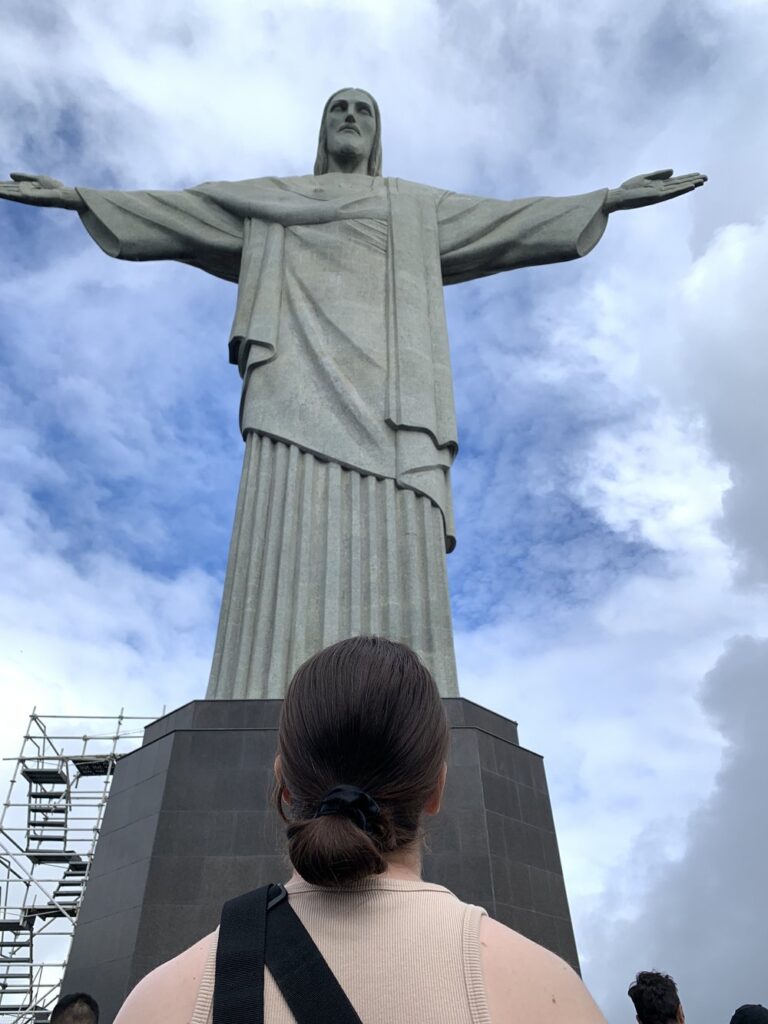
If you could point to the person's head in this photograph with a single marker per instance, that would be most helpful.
(363, 713)
(750, 1013)
(350, 133)
(656, 999)
(77, 1008)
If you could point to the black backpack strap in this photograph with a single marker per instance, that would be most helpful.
(238, 994)
(307, 983)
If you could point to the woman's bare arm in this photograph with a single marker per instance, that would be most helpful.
(525, 982)
(168, 994)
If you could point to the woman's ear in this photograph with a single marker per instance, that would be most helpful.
(433, 804)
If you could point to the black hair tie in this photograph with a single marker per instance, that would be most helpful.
(350, 802)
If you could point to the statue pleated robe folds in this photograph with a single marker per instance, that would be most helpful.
(344, 510)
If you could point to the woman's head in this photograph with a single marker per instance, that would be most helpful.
(363, 713)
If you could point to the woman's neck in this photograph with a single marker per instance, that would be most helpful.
(402, 865)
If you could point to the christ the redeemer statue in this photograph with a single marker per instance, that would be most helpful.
(344, 510)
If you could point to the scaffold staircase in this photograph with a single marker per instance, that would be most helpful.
(49, 825)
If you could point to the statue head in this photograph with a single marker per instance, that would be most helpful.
(351, 125)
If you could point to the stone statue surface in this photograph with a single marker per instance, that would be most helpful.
(344, 509)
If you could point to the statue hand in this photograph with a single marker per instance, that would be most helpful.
(646, 189)
(40, 190)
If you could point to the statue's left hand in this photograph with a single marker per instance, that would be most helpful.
(646, 189)
(40, 190)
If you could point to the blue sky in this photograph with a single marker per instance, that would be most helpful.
(609, 582)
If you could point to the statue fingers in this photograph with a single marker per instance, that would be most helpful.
(23, 176)
(679, 189)
(693, 176)
(36, 180)
(685, 181)
(10, 190)
(661, 175)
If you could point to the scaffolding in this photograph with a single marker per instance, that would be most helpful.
(49, 825)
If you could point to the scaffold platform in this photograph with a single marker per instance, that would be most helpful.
(49, 825)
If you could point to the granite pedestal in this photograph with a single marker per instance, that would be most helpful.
(189, 824)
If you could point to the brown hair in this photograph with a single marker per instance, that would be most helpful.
(374, 160)
(364, 712)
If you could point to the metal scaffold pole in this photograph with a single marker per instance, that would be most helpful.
(49, 825)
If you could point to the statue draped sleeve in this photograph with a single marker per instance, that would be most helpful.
(479, 236)
(187, 226)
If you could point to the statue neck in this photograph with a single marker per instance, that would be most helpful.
(347, 165)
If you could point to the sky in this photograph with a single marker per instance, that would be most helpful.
(609, 584)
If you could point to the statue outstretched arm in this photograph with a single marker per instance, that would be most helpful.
(647, 189)
(185, 225)
(486, 236)
(40, 190)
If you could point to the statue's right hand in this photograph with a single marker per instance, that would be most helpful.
(39, 190)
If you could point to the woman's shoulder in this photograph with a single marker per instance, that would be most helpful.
(524, 981)
(168, 994)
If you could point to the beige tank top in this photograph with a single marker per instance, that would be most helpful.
(402, 951)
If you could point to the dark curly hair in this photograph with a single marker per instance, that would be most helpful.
(655, 997)
(750, 1013)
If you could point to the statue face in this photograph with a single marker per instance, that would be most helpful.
(350, 125)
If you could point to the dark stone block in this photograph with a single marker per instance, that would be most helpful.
(466, 713)
(111, 892)
(523, 843)
(539, 927)
(539, 777)
(501, 795)
(513, 884)
(517, 763)
(551, 853)
(190, 823)
(210, 715)
(254, 830)
(110, 938)
(127, 805)
(126, 845)
(486, 748)
(534, 810)
(174, 879)
(464, 747)
(174, 721)
(132, 768)
(566, 941)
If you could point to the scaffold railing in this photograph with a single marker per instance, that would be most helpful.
(49, 825)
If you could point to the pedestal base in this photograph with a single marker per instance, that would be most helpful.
(189, 824)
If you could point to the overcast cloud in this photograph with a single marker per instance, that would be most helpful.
(609, 582)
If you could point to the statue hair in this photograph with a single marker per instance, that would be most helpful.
(364, 712)
(374, 160)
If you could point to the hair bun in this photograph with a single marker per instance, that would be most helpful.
(332, 850)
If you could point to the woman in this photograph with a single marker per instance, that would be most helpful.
(361, 756)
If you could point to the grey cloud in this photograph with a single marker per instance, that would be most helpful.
(703, 919)
(726, 362)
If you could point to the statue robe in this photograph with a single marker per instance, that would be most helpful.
(344, 511)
